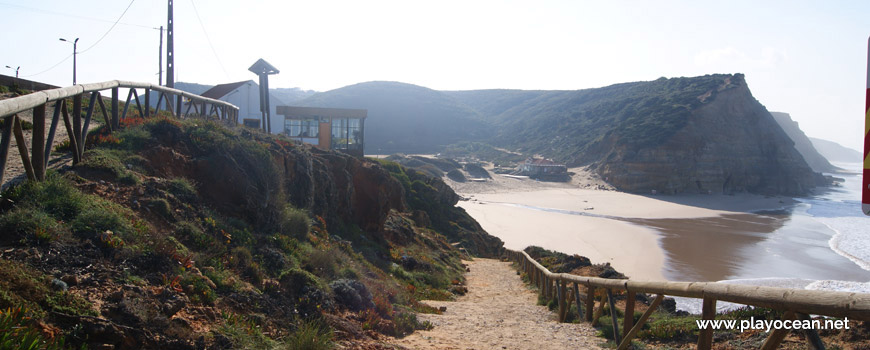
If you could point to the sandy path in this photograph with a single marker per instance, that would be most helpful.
(498, 312)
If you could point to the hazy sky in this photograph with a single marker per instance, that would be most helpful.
(806, 58)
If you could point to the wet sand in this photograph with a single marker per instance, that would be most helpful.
(695, 238)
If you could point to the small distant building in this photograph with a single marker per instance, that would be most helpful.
(326, 128)
(543, 169)
(246, 96)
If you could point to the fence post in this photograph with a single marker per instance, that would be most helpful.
(37, 139)
(590, 302)
(628, 321)
(52, 130)
(563, 299)
(708, 312)
(116, 122)
(179, 100)
(633, 332)
(777, 335)
(811, 334)
(147, 103)
(577, 300)
(613, 321)
(73, 137)
(77, 126)
(22, 147)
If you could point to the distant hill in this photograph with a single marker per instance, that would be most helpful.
(406, 118)
(291, 95)
(835, 152)
(803, 144)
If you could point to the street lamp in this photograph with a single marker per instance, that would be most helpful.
(75, 42)
(16, 70)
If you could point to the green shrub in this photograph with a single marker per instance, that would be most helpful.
(244, 333)
(133, 138)
(322, 263)
(182, 188)
(25, 223)
(17, 332)
(22, 286)
(295, 222)
(666, 327)
(108, 162)
(191, 234)
(55, 196)
(295, 281)
(310, 335)
(406, 323)
(160, 207)
(93, 221)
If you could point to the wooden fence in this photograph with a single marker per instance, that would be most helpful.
(36, 161)
(794, 302)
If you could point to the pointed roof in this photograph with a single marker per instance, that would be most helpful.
(222, 90)
(263, 67)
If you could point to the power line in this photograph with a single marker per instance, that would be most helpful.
(110, 28)
(85, 50)
(49, 68)
(73, 16)
(209, 39)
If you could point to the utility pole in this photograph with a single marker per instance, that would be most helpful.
(160, 59)
(170, 50)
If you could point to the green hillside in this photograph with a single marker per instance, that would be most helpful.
(641, 114)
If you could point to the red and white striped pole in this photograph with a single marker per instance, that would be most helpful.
(865, 191)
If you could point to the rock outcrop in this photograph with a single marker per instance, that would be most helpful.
(729, 144)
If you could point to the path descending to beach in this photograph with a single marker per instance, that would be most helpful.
(498, 312)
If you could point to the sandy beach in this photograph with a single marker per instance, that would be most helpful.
(637, 234)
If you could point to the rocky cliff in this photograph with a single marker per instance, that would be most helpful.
(803, 144)
(729, 143)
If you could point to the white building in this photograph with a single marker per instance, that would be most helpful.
(246, 96)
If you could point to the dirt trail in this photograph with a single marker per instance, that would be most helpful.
(499, 312)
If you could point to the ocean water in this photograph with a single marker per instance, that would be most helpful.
(824, 244)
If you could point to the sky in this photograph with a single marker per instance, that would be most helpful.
(805, 58)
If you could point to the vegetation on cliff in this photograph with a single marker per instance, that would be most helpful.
(703, 134)
(187, 234)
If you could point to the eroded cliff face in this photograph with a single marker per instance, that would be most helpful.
(729, 144)
(243, 179)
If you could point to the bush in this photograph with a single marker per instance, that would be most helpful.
(295, 222)
(310, 336)
(160, 207)
(406, 323)
(322, 263)
(19, 333)
(182, 189)
(55, 196)
(191, 234)
(352, 294)
(24, 223)
(93, 221)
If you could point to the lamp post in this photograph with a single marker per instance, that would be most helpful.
(16, 70)
(75, 42)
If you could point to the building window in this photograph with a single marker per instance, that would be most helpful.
(307, 127)
(346, 134)
(251, 123)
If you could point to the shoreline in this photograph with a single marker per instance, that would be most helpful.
(631, 232)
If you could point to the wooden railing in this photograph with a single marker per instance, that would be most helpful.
(36, 161)
(794, 302)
